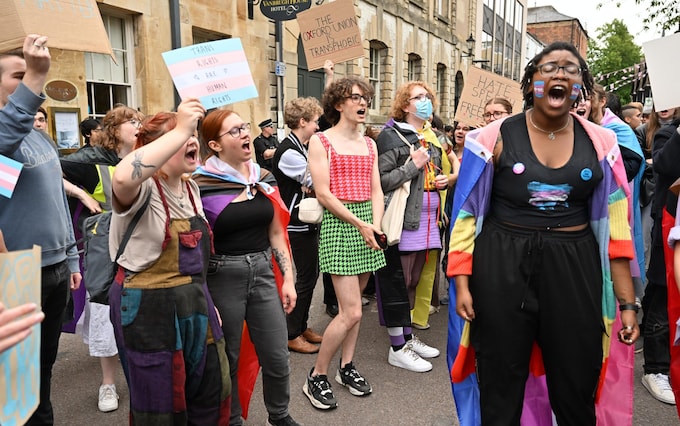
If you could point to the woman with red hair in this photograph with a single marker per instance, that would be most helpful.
(165, 322)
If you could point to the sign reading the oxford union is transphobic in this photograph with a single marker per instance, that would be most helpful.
(20, 365)
(216, 72)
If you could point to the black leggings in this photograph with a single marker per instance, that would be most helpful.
(537, 286)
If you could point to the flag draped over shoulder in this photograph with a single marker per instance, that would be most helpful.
(217, 191)
(609, 222)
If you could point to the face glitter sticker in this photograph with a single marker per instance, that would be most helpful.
(518, 168)
(539, 88)
(575, 91)
(586, 174)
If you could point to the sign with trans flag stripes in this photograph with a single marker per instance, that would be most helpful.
(9, 175)
(216, 72)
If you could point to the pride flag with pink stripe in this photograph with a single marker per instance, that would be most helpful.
(9, 175)
(216, 72)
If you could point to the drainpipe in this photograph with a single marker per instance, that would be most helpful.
(175, 36)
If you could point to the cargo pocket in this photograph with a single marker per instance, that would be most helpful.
(190, 252)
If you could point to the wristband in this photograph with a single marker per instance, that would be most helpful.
(629, 307)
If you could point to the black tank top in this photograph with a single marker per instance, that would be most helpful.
(527, 193)
(243, 226)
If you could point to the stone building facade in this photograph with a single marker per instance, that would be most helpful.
(402, 40)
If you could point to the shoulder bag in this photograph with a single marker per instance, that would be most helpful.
(393, 219)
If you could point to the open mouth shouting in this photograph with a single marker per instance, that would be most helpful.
(362, 113)
(557, 95)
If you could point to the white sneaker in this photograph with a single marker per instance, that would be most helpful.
(108, 398)
(423, 350)
(406, 358)
(659, 387)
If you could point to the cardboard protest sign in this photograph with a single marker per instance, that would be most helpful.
(330, 31)
(215, 72)
(662, 67)
(69, 24)
(20, 365)
(480, 86)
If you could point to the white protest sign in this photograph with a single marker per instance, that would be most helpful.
(216, 72)
(662, 64)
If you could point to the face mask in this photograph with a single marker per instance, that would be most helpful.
(424, 109)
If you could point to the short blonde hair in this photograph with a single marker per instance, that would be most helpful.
(300, 108)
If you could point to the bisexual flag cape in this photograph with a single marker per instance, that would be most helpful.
(609, 222)
(217, 191)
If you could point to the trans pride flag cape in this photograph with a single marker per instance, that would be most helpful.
(217, 191)
(609, 222)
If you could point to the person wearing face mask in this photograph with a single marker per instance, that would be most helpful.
(408, 151)
(539, 256)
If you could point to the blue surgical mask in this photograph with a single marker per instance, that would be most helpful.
(424, 109)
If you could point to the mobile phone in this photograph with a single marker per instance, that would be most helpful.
(381, 239)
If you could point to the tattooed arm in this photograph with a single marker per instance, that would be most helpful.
(281, 251)
(143, 162)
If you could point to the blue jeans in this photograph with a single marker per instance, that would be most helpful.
(55, 280)
(243, 288)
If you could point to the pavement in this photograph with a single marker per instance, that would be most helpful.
(399, 397)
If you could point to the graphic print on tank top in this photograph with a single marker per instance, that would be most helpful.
(547, 197)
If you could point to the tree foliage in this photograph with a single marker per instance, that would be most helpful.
(612, 50)
(662, 14)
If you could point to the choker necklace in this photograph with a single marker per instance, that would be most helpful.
(551, 134)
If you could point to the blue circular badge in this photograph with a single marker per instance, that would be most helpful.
(586, 174)
(518, 168)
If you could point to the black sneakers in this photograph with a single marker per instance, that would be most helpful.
(355, 382)
(286, 421)
(319, 392)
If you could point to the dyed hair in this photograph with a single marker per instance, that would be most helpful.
(402, 99)
(338, 91)
(500, 101)
(300, 108)
(116, 116)
(210, 130)
(532, 68)
(153, 128)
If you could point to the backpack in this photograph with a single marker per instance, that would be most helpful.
(99, 270)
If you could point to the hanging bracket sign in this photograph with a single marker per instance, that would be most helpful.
(283, 10)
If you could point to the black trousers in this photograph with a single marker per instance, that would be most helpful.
(55, 280)
(305, 248)
(537, 286)
(391, 293)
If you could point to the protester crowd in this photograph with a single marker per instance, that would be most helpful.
(553, 225)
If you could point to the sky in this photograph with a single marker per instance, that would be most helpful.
(592, 18)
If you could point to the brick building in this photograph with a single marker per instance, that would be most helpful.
(548, 25)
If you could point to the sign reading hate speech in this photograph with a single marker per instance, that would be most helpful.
(330, 32)
(480, 86)
(216, 72)
(20, 365)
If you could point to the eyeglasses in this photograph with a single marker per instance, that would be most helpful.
(356, 98)
(421, 97)
(495, 114)
(236, 131)
(136, 123)
(551, 68)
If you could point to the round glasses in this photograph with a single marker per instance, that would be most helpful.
(236, 131)
(549, 69)
(356, 98)
(495, 114)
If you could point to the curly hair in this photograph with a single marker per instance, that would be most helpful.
(210, 130)
(300, 108)
(403, 98)
(116, 116)
(338, 91)
(532, 68)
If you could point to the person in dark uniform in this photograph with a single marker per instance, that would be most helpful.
(265, 145)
